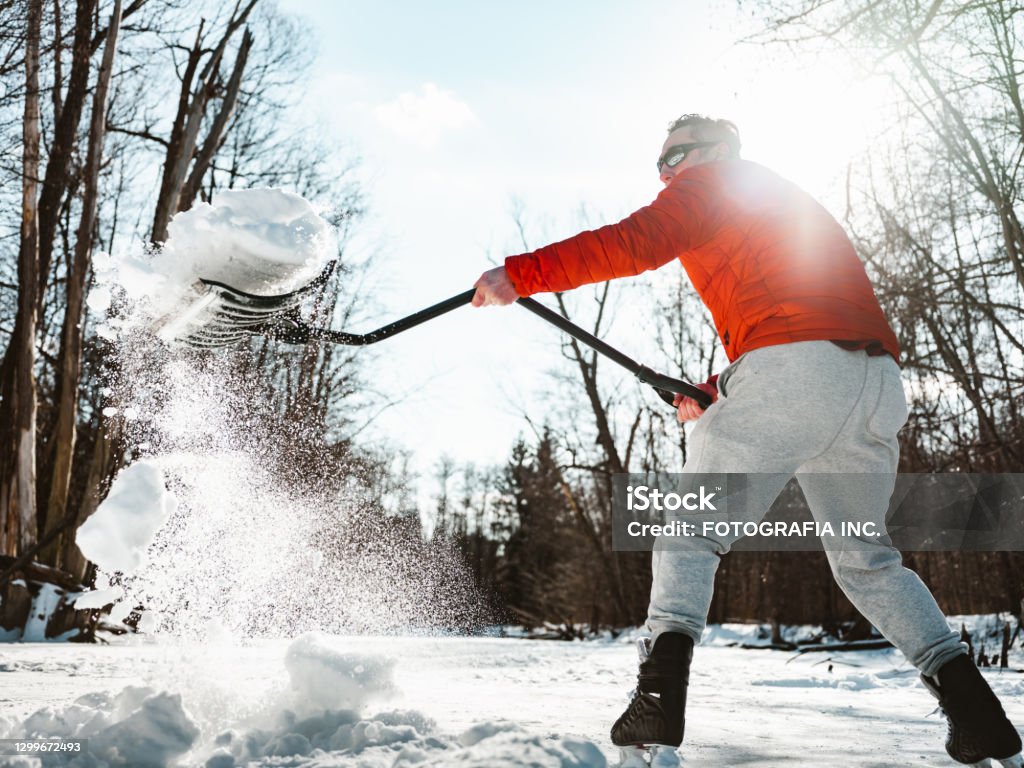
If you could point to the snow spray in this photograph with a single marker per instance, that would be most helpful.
(230, 533)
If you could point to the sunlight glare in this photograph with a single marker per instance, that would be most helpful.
(809, 122)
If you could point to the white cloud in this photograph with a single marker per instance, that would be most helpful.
(422, 116)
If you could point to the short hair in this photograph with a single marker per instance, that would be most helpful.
(708, 129)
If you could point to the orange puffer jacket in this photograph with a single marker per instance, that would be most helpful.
(770, 263)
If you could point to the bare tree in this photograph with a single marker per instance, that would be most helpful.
(197, 89)
(18, 407)
(63, 437)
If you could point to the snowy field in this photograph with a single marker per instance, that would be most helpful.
(439, 701)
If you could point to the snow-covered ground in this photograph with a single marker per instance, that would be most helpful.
(465, 701)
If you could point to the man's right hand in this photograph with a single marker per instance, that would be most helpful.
(494, 289)
(690, 409)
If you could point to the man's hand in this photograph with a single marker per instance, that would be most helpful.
(494, 289)
(689, 409)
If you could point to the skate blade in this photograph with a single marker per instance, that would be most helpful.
(1017, 761)
(654, 756)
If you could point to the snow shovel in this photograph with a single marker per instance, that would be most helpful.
(224, 316)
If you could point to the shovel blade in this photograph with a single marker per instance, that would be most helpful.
(222, 316)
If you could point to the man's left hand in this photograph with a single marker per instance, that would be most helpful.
(690, 409)
(494, 289)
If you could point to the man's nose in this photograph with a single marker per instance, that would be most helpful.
(666, 176)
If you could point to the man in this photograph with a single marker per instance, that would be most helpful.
(813, 390)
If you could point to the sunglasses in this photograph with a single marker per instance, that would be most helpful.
(676, 154)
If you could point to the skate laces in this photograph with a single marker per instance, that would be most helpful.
(643, 650)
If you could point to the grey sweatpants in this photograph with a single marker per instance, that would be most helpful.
(824, 414)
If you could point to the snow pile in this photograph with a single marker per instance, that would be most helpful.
(137, 727)
(157, 731)
(262, 241)
(329, 679)
(397, 740)
(317, 722)
(850, 682)
(333, 687)
(120, 531)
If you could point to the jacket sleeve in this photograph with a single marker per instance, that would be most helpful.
(681, 218)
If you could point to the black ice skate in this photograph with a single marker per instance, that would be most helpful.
(656, 714)
(978, 729)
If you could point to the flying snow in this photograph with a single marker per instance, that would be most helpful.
(237, 517)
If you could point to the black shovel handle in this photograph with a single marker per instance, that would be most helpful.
(294, 331)
(665, 386)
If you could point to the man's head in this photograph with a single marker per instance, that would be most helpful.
(696, 139)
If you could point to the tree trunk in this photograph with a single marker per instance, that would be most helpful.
(105, 458)
(55, 183)
(215, 138)
(174, 142)
(63, 439)
(18, 409)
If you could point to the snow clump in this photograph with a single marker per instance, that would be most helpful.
(261, 241)
(120, 531)
(326, 678)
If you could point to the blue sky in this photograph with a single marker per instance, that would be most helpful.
(457, 108)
